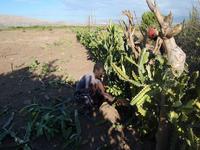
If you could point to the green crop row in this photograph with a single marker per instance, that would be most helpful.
(150, 86)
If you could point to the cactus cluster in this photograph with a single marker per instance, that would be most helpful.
(144, 81)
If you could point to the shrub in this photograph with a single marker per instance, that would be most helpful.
(189, 39)
(148, 20)
(149, 84)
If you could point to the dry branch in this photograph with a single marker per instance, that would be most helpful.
(176, 56)
(129, 31)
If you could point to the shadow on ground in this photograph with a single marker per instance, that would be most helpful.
(22, 87)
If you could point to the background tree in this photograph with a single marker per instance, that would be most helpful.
(189, 39)
(148, 20)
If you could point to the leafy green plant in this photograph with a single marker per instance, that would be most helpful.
(105, 45)
(7, 131)
(147, 82)
(53, 120)
(46, 69)
(188, 39)
(34, 65)
(155, 81)
(198, 42)
(148, 20)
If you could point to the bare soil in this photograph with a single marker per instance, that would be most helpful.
(59, 49)
(18, 48)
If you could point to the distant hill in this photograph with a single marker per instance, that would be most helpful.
(8, 21)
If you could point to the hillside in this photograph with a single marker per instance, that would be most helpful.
(8, 20)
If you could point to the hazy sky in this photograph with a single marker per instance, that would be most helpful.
(77, 11)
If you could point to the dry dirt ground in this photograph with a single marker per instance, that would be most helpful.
(19, 48)
(19, 86)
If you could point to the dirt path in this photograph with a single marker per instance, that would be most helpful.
(19, 48)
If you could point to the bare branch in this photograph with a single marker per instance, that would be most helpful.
(158, 45)
(169, 19)
(175, 30)
(124, 25)
(129, 15)
(129, 32)
(143, 34)
(176, 56)
(153, 7)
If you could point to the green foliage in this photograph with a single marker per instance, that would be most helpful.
(114, 90)
(107, 46)
(149, 20)
(53, 120)
(101, 42)
(155, 80)
(198, 42)
(144, 82)
(37, 27)
(42, 68)
(34, 65)
(188, 39)
(7, 130)
(47, 68)
(48, 121)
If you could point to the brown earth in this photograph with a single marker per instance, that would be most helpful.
(18, 49)
(19, 86)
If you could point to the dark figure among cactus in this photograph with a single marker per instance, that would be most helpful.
(90, 92)
(92, 86)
